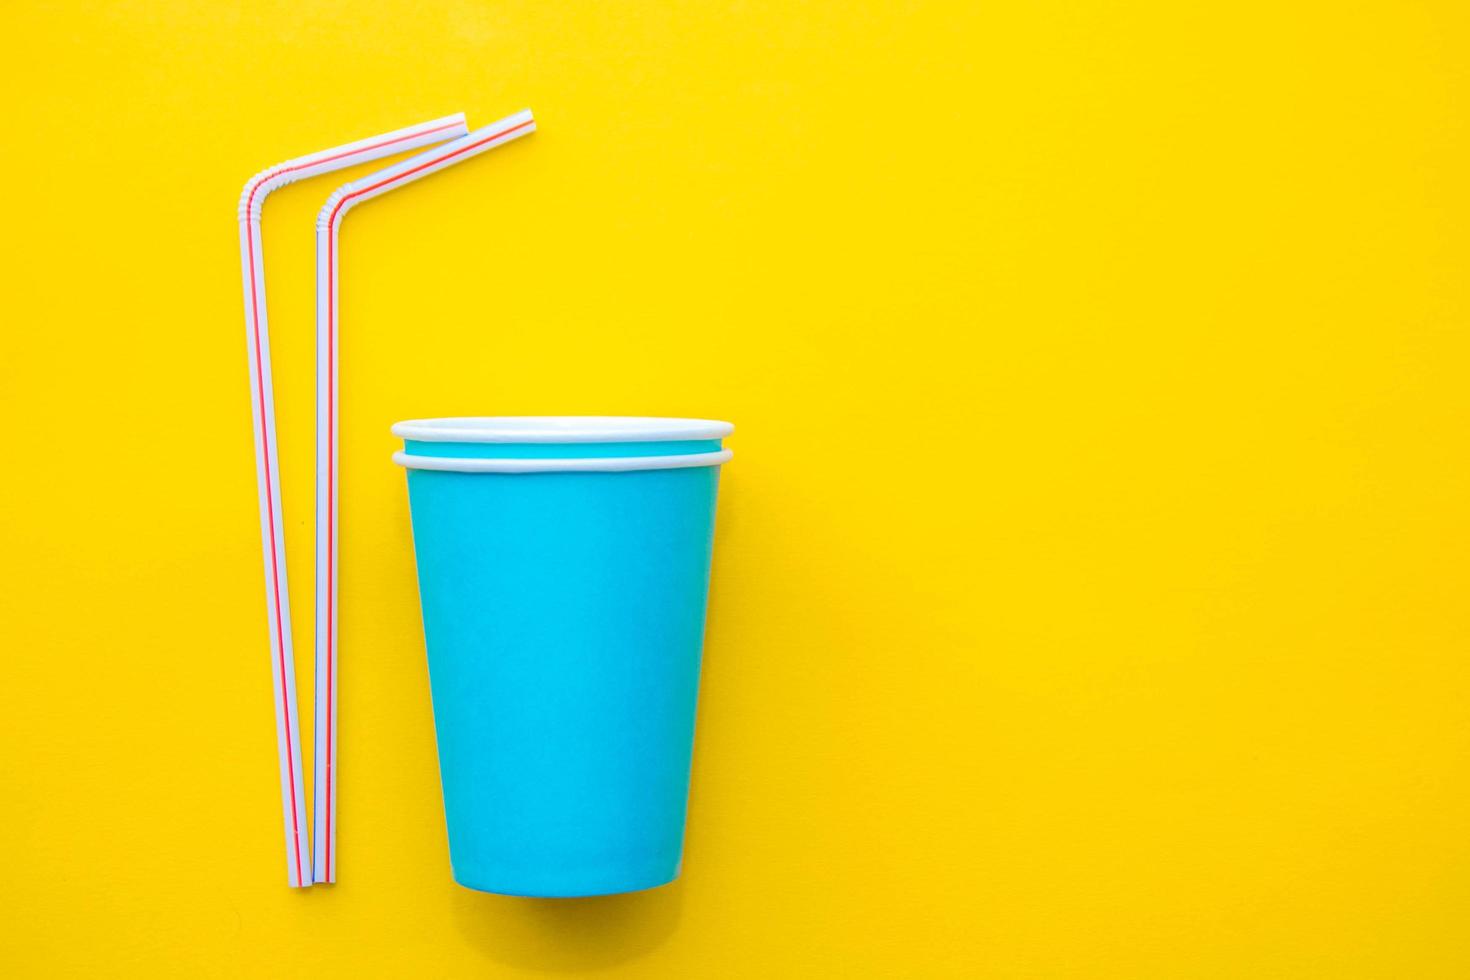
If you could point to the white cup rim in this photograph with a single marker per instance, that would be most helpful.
(599, 464)
(560, 428)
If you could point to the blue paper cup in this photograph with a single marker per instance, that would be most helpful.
(563, 568)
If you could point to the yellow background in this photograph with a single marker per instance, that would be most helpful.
(1090, 590)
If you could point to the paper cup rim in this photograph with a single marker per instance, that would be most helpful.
(560, 429)
(601, 464)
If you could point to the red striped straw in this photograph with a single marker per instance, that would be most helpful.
(267, 466)
(324, 864)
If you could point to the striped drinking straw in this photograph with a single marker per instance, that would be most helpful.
(267, 466)
(327, 416)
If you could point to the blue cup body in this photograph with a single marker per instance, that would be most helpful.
(564, 618)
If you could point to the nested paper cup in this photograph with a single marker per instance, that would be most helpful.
(563, 568)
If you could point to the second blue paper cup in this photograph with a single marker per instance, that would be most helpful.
(563, 568)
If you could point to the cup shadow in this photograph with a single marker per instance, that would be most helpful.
(568, 935)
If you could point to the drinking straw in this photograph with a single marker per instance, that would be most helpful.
(267, 467)
(346, 197)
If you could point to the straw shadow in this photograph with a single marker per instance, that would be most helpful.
(568, 935)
